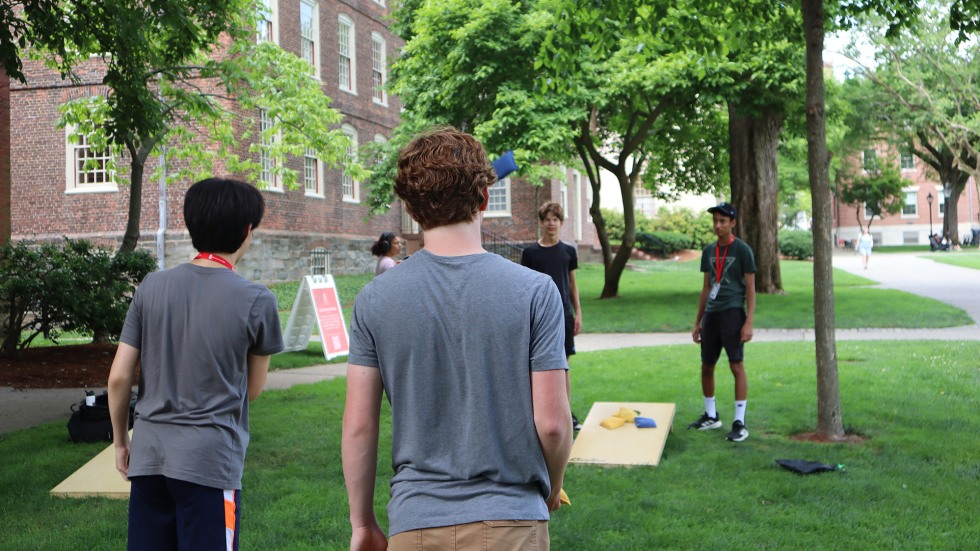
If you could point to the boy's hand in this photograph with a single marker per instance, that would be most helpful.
(696, 334)
(122, 461)
(577, 326)
(747, 332)
(368, 538)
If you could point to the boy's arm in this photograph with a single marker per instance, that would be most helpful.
(702, 302)
(749, 307)
(549, 400)
(359, 454)
(258, 370)
(573, 291)
(122, 377)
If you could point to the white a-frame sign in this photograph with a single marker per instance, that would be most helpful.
(317, 302)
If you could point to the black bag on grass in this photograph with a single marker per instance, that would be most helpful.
(91, 423)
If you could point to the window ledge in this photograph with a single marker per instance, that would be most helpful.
(95, 188)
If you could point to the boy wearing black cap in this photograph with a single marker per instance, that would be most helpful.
(726, 310)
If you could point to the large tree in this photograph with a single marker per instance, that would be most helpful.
(560, 82)
(767, 59)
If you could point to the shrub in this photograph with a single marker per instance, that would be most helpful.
(101, 289)
(796, 244)
(697, 226)
(47, 288)
(662, 242)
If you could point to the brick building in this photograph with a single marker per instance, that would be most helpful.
(919, 217)
(350, 48)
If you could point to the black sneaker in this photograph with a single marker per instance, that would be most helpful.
(706, 423)
(738, 432)
(576, 426)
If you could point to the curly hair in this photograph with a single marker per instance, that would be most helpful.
(442, 178)
(551, 207)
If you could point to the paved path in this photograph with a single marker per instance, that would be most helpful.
(903, 271)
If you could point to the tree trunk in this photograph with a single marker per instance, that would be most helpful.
(754, 143)
(614, 269)
(829, 422)
(132, 235)
(600, 223)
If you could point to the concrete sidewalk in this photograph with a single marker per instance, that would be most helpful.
(20, 409)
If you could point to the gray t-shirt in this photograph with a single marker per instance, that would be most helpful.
(456, 339)
(194, 327)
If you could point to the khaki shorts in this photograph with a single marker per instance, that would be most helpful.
(495, 535)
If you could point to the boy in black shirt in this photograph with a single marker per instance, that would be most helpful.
(559, 260)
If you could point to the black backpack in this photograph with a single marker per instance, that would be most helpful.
(92, 423)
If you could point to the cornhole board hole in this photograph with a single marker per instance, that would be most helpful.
(97, 478)
(627, 445)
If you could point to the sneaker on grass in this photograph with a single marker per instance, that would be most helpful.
(738, 432)
(706, 423)
(576, 426)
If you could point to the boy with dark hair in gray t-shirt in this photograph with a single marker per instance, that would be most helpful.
(468, 347)
(200, 337)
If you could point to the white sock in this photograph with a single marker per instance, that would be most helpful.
(709, 407)
(740, 410)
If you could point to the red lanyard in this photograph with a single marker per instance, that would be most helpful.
(215, 258)
(720, 262)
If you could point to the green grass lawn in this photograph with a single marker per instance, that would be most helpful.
(663, 297)
(964, 259)
(910, 485)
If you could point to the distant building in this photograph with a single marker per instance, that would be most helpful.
(918, 217)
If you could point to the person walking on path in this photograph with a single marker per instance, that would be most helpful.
(468, 347)
(726, 310)
(200, 337)
(559, 260)
(865, 243)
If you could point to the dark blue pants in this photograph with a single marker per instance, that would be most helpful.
(169, 514)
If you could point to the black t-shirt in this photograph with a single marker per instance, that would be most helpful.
(558, 261)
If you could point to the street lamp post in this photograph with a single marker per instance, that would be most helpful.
(929, 200)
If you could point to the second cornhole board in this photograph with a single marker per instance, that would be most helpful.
(626, 445)
(98, 477)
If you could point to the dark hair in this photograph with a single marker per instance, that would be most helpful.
(551, 207)
(218, 213)
(442, 177)
(383, 244)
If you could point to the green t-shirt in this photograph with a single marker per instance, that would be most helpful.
(738, 261)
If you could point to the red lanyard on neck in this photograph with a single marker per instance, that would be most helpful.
(720, 261)
(215, 258)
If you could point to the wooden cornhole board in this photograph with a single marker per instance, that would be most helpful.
(627, 445)
(98, 477)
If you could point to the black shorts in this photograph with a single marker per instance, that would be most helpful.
(722, 329)
(569, 336)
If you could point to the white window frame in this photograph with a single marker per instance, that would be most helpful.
(349, 187)
(902, 155)
(939, 200)
(379, 68)
(313, 58)
(268, 26)
(914, 193)
(494, 191)
(563, 196)
(864, 159)
(312, 174)
(380, 2)
(271, 180)
(347, 54)
(577, 194)
(73, 167)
